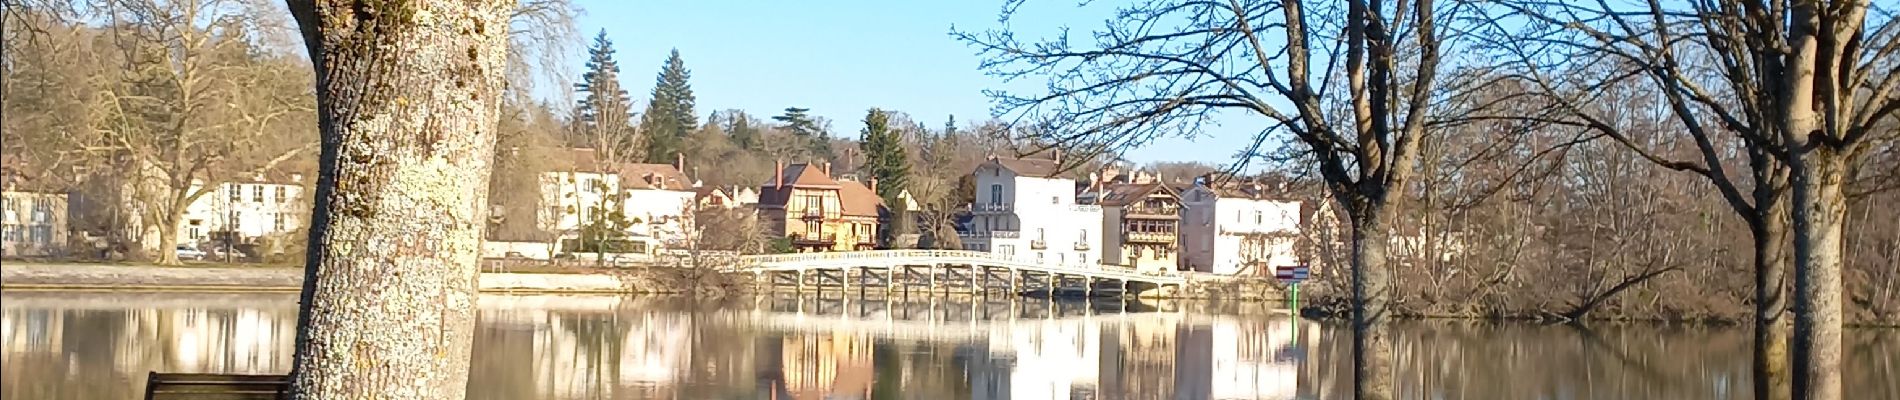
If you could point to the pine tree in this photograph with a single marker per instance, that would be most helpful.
(806, 129)
(605, 114)
(739, 128)
(885, 157)
(669, 116)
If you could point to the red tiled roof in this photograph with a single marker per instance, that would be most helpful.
(859, 200)
(652, 176)
(797, 176)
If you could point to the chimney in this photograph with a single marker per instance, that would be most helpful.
(873, 184)
(778, 180)
(1058, 157)
(679, 161)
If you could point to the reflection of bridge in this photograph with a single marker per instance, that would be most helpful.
(946, 270)
(945, 319)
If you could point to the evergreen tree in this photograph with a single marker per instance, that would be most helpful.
(739, 128)
(885, 157)
(669, 116)
(604, 114)
(806, 129)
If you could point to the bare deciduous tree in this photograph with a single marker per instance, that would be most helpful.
(192, 109)
(1167, 68)
(1799, 83)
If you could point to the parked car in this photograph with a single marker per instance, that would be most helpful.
(188, 253)
(218, 253)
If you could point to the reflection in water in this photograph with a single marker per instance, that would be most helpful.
(94, 345)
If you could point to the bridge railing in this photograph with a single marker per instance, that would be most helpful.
(888, 255)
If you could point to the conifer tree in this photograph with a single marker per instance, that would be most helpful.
(669, 116)
(806, 129)
(604, 114)
(885, 157)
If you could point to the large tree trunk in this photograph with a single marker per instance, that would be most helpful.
(1372, 297)
(168, 237)
(1771, 301)
(407, 95)
(1819, 210)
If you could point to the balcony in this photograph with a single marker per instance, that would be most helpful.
(1148, 237)
(991, 208)
(814, 213)
(1038, 244)
(1163, 212)
(812, 239)
(990, 234)
(1081, 246)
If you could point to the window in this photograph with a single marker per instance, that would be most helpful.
(1062, 258)
(237, 192)
(1055, 199)
(1007, 250)
(282, 195)
(996, 193)
(1257, 219)
(1038, 257)
(812, 228)
(1082, 258)
(278, 221)
(1039, 235)
(1085, 237)
(257, 193)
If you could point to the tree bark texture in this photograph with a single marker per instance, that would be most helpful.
(408, 98)
(1371, 306)
(1771, 300)
(1820, 210)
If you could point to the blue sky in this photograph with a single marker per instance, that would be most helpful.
(837, 57)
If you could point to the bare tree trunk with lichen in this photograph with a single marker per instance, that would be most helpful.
(408, 95)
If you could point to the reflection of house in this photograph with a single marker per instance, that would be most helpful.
(1238, 228)
(1025, 211)
(831, 366)
(1056, 360)
(588, 355)
(1140, 226)
(261, 206)
(1248, 360)
(804, 204)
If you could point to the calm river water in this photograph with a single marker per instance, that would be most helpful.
(100, 346)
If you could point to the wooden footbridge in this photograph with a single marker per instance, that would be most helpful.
(950, 271)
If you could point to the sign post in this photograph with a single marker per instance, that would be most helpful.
(1292, 275)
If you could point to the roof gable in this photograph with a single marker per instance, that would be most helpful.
(859, 200)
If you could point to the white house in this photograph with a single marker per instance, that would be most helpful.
(1238, 229)
(35, 222)
(1025, 211)
(654, 198)
(260, 206)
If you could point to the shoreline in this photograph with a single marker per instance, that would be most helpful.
(15, 276)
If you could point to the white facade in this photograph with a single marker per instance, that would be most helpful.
(1034, 220)
(1229, 235)
(255, 209)
(571, 199)
(34, 225)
